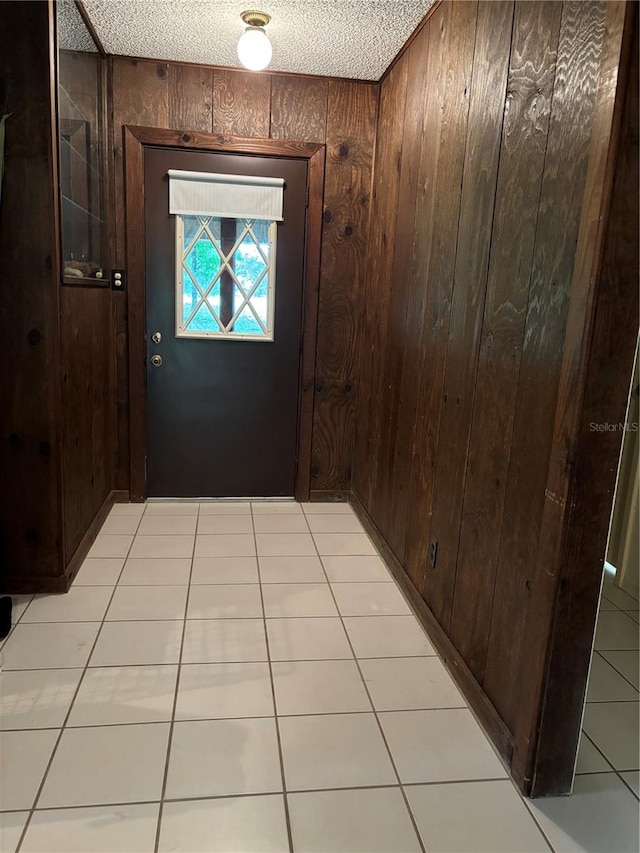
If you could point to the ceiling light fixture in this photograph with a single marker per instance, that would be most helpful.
(254, 47)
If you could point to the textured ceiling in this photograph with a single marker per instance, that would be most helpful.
(72, 33)
(338, 38)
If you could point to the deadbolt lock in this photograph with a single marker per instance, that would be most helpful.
(156, 360)
(156, 337)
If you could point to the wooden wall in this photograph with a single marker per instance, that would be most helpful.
(30, 441)
(341, 114)
(493, 138)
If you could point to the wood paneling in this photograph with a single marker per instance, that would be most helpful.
(494, 128)
(299, 108)
(241, 103)
(350, 140)
(190, 98)
(523, 146)
(306, 110)
(31, 538)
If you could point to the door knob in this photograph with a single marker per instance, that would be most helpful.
(156, 360)
(156, 337)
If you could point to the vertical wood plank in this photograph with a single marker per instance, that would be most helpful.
(491, 63)
(299, 108)
(140, 96)
(379, 265)
(241, 103)
(412, 126)
(451, 45)
(190, 97)
(523, 146)
(351, 117)
(554, 258)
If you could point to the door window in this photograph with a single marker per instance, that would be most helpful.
(225, 277)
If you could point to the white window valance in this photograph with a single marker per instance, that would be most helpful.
(232, 196)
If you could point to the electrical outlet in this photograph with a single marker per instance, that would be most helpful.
(433, 552)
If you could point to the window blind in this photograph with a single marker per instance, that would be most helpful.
(231, 196)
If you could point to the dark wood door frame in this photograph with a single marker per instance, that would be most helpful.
(135, 140)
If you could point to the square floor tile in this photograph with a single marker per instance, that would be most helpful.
(318, 687)
(156, 571)
(632, 778)
(36, 699)
(225, 545)
(25, 756)
(101, 571)
(168, 525)
(210, 691)
(285, 545)
(307, 639)
(370, 599)
(355, 569)
(225, 508)
(53, 645)
(128, 509)
(80, 604)
(340, 523)
(332, 508)
(275, 508)
(107, 764)
(214, 570)
(11, 826)
(282, 523)
(162, 546)
(439, 746)
(103, 829)
(334, 751)
(613, 727)
(138, 643)
(486, 817)
(616, 631)
(627, 663)
(110, 545)
(600, 815)
(125, 694)
(120, 524)
(225, 825)
(619, 597)
(590, 760)
(387, 636)
(220, 757)
(172, 508)
(225, 601)
(224, 641)
(291, 569)
(343, 544)
(293, 599)
(132, 603)
(363, 821)
(229, 523)
(410, 683)
(606, 684)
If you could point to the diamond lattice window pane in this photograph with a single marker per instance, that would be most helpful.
(203, 260)
(225, 271)
(246, 324)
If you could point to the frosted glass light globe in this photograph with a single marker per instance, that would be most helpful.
(254, 49)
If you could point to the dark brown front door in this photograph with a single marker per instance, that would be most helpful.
(222, 414)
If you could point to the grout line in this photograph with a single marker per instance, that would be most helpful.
(175, 695)
(273, 697)
(611, 769)
(36, 800)
(375, 713)
(614, 667)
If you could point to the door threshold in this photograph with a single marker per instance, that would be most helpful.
(276, 499)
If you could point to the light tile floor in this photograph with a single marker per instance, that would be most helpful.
(247, 677)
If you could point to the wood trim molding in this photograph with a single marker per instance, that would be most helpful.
(495, 727)
(135, 140)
